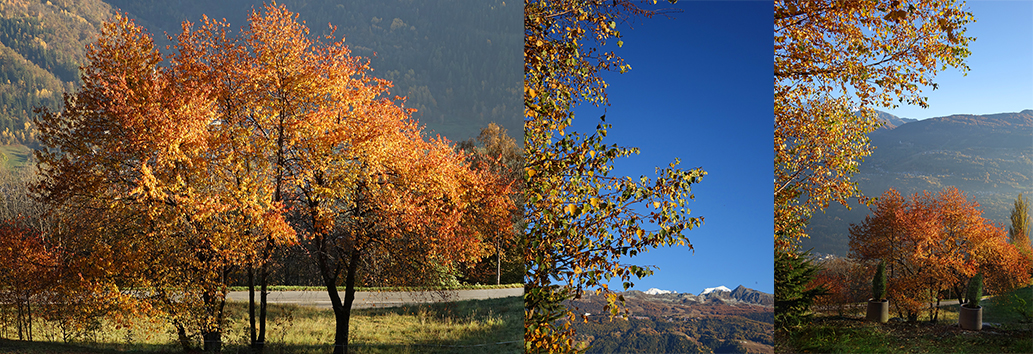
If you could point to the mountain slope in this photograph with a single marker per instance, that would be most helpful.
(42, 45)
(740, 320)
(989, 157)
(458, 62)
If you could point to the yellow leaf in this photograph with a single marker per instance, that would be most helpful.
(639, 232)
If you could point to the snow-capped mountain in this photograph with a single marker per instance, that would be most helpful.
(655, 291)
(720, 288)
(720, 295)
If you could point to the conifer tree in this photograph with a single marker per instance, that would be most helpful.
(1018, 233)
(793, 272)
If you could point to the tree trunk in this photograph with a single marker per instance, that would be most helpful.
(212, 334)
(213, 341)
(498, 263)
(342, 311)
(251, 304)
(937, 317)
(264, 278)
(181, 333)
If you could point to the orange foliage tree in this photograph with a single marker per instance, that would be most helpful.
(28, 269)
(495, 151)
(932, 245)
(192, 169)
(832, 59)
(848, 284)
(127, 173)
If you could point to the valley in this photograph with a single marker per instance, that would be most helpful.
(988, 157)
(740, 321)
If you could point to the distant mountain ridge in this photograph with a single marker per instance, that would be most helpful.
(890, 121)
(988, 157)
(740, 320)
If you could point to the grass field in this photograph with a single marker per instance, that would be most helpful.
(13, 156)
(1012, 333)
(475, 326)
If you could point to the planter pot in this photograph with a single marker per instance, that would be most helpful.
(878, 311)
(970, 318)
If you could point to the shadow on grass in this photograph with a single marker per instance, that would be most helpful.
(839, 334)
(847, 335)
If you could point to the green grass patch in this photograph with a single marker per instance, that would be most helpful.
(848, 335)
(1012, 333)
(474, 326)
(14, 156)
(391, 288)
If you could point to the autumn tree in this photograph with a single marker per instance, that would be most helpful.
(301, 125)
(581, 221)
(835, 61)
(848, 284)
(932, 244)
(142, 149)
(187, 165)
(493, 150)
(27, 269)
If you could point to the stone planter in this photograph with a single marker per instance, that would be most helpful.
(878, 310)
(970, 318)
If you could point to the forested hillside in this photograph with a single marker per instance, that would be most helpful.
(42, 44)
(457, 61)
(676, 323)
(988, 157)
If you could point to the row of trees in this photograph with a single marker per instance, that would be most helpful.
(167, 175)
(932, 245)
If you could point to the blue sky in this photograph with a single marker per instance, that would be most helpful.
(1001, 75)
(700, 90)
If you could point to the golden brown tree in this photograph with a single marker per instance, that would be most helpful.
(301, 125)
(186, 171)
(932, 244)
(125, 173)
(834, 62)
(495, 151)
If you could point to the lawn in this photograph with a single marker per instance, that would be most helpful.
(828, 333)
(474, 326)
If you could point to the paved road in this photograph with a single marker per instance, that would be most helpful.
(368, 299)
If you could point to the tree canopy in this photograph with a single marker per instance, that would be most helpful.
(932, 244)
(580, 220)
(833, 62)
(204, 161)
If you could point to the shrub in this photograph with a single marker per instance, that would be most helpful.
(879, 282)
(975, 290)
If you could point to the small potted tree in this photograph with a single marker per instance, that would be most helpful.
(878, 306)
(970, 315)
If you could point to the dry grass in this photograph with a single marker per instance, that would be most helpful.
(474, 326)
